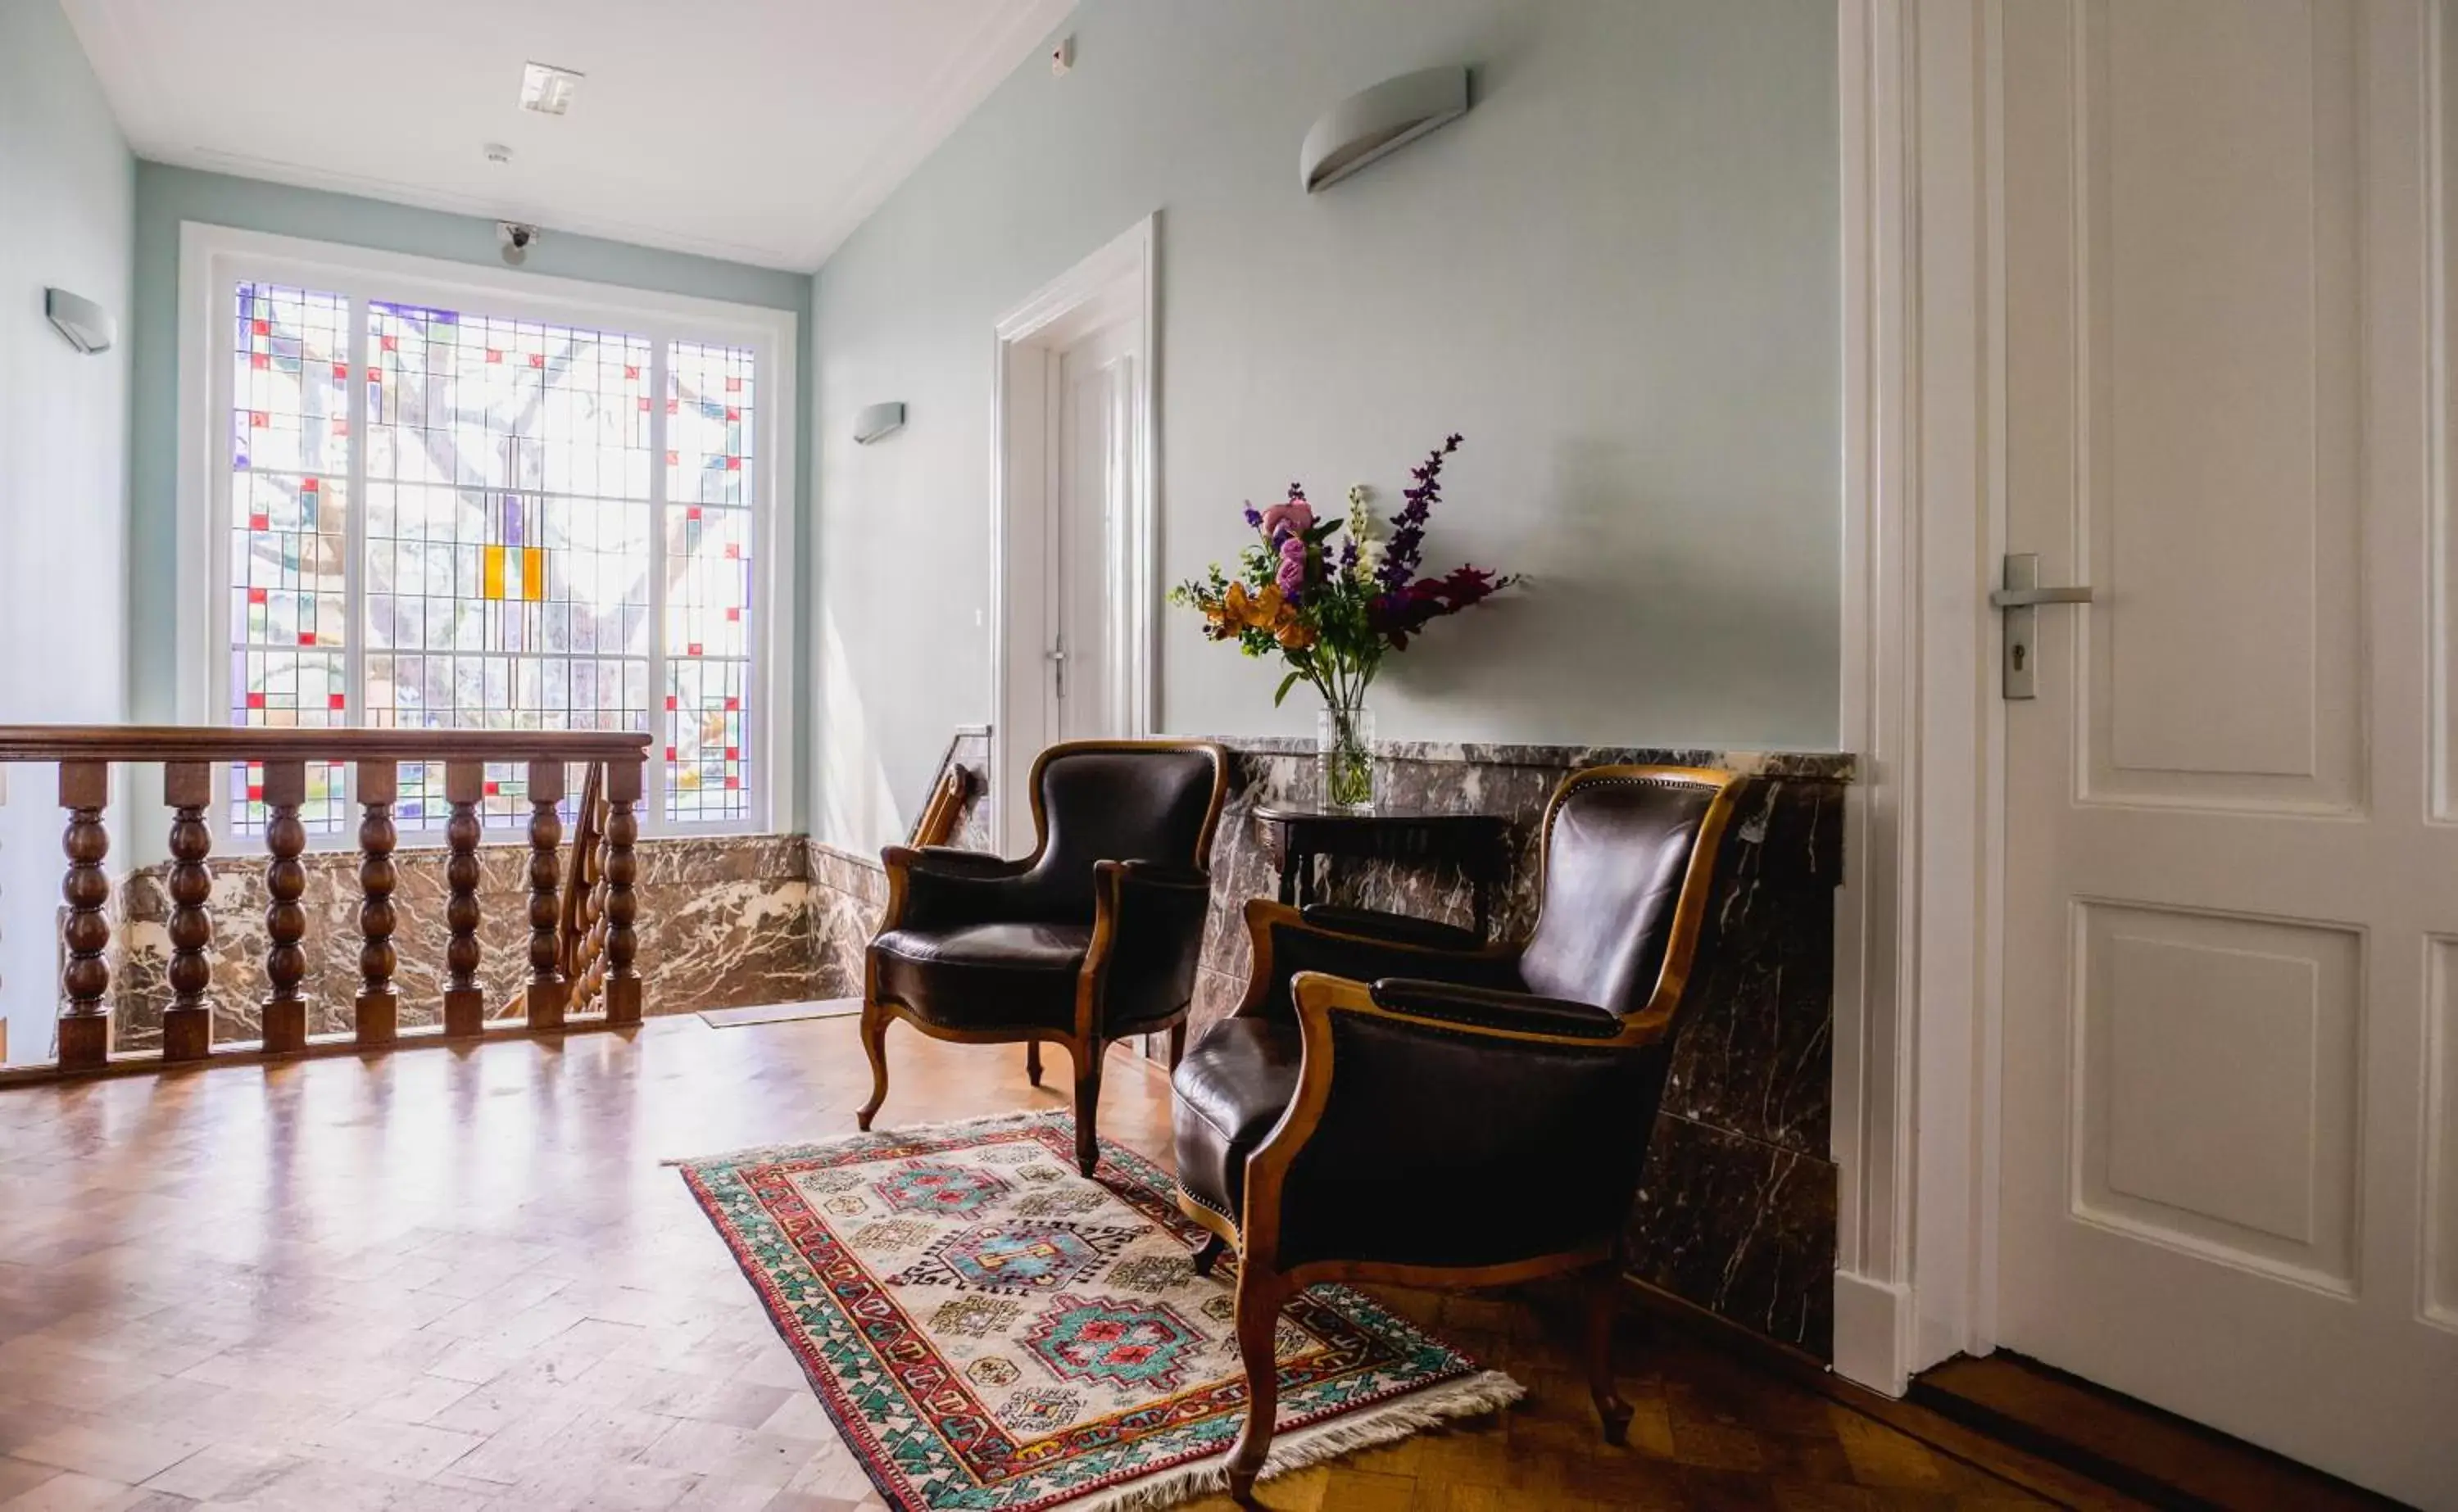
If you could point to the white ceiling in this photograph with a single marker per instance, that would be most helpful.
(760, 131)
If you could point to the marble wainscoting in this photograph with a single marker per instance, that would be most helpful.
(1737, 1213)
(725, 922)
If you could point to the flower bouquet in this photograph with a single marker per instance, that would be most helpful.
(1332, 613)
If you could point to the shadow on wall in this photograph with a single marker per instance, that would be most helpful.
(856, 804)
(1528, 657)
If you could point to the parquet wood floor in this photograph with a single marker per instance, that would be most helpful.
(440, 1280)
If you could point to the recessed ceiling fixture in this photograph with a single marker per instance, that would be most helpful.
(548, 90)
(497, 153)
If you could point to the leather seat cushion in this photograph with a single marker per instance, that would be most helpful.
(1232, 1088)
(984, 976)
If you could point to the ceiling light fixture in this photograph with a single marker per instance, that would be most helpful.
(548, 90)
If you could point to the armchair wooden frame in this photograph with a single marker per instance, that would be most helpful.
(1085, 1041)
(1265, 1286)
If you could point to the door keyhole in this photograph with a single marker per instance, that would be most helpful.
(2019, 652)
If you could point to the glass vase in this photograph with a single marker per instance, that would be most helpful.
(1343, 743)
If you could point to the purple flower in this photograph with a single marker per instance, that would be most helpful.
(1293, 568)
(1408, 526)
(1253, 516)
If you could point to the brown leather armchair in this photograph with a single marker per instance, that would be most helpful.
(1396, 1103)
(1092, 938)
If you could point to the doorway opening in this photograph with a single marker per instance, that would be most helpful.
(1072, 520)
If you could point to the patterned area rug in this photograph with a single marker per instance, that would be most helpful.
(990, 1330)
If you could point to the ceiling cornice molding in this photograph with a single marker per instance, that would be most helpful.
(958, 90)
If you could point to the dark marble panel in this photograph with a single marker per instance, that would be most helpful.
(1741, 1226)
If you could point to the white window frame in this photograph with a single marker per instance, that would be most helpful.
(215, 260)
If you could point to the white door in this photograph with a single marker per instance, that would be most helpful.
(1094, 381)
(2230, 1137)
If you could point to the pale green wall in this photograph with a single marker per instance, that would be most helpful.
(67, 209)
(1617, 275)
(166, 197)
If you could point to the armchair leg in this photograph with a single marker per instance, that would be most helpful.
(1033, 1061)
(1209, 1255)
(1603, 1287)
(1088, 1105)
(874, 1044)
(1259, 1294)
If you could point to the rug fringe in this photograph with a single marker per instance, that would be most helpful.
(875, 1136)
(1470, 1397)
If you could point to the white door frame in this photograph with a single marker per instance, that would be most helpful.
(1917, 983)
(1118, 275)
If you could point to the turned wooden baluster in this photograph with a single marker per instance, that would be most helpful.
(188, 1023)
(284, 1026)
(464, 1006)
(378, 1007)
(549, 991)
(85, 977)
(622, 831)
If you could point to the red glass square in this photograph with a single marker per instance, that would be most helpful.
(733, 782)
(255, 595)
(733, 464)
(674, 406)
(338, 700)
(734, 753)
(306, 637)
(734, 386)
(256, 793)
(537, 358)
(731, 413)
(644, 402)
(260, 327)
(733, 611)
(733, 552)
(631, 372)
(341, 427)
(692, 512)
(260, 359)
(308, 485)
(340, 369)
(673, 457)
(670, 754)
(390, 344)
(258, 419)
(255, 700)
(694, 650)
(670, 700)
(493, 355)
(494, 790)
(260, 522)
(733, 703)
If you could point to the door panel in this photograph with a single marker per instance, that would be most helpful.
(2215, 140)
(2231, 916)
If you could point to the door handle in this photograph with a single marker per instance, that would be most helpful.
(2026, 597)
(2020, 597)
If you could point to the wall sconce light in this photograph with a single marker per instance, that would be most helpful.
(88, 325)
(876, 421)
(1381, 120)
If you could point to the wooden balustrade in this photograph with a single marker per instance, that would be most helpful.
(583, 942)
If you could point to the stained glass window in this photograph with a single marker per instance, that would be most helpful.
(508, 558)
(517, 537)
(709, 394)
(290, 531)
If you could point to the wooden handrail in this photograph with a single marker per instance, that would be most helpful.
(65, 742)
(581, 915)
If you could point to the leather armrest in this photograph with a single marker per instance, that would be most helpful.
(1147, 938)
(940, 887)
(1285, 943)
(1492, 1009)
(1397, 928)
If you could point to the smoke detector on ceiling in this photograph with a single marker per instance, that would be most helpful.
(548, 90)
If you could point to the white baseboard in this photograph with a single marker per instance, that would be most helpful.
(1869, 1328)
